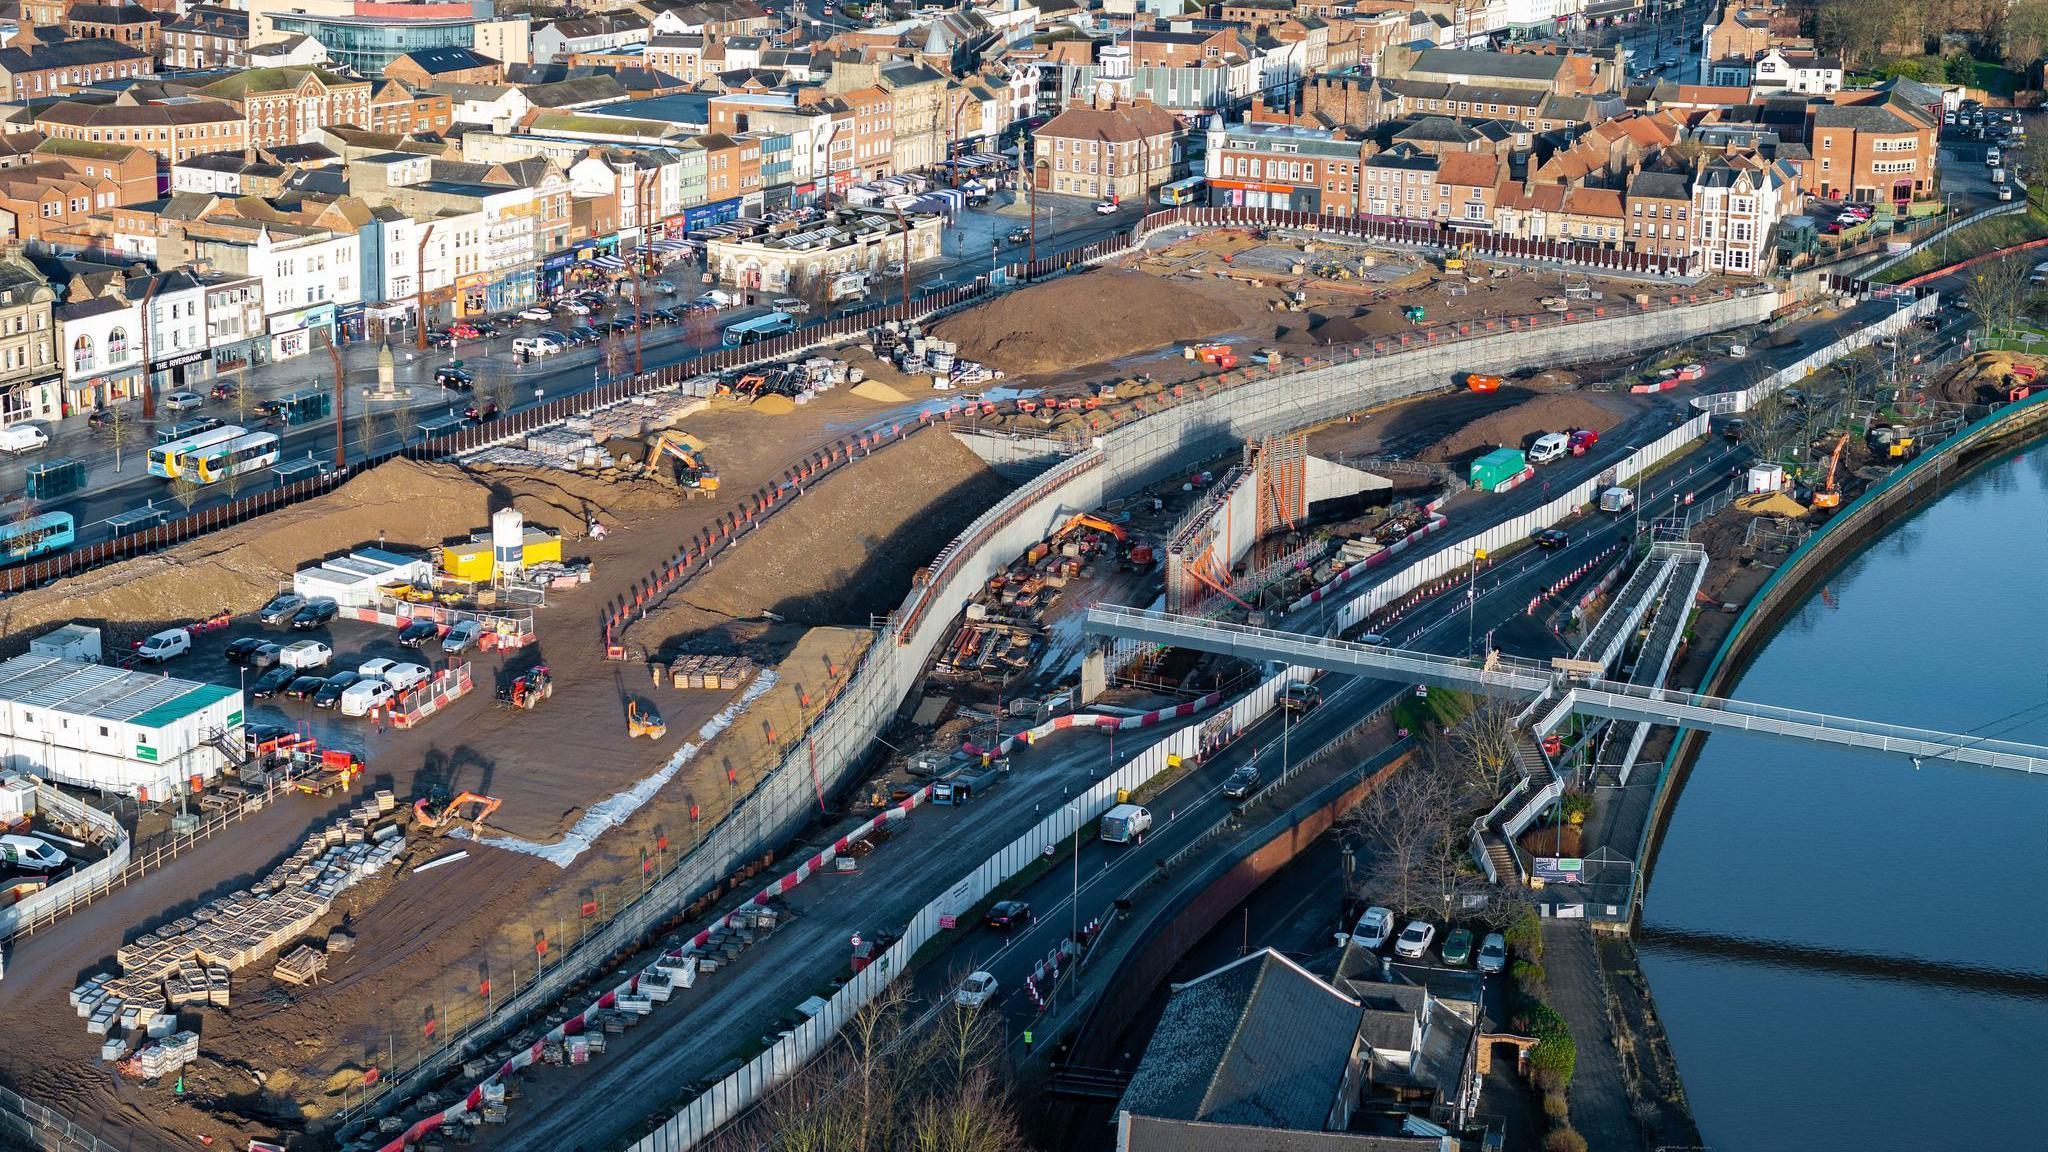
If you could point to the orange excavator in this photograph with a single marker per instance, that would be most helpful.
(1137, 555)
(450, 815)
(1826, 494)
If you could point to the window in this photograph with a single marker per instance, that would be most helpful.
(117, 344)
(82, 359)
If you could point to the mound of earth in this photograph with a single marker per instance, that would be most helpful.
(1516, 427)
(1360, 327)
(1085, 319)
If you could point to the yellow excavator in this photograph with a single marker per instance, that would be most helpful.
(688, 453)
(450, 814)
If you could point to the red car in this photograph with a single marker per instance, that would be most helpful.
(463, 329)
(1582, 439)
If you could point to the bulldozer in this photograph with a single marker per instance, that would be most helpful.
(643, 720)
(449, 814)
(688, 453)
(526, 690)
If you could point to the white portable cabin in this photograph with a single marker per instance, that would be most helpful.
(354, 580)
(130, 733)
(78, 643)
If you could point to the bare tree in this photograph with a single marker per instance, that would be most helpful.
(366, 425)
(117, 430)
(1997, 291)
(1400, 822)
(404, 419)
(1771, 427)
(185, 489)
(242, 394)
(1481, 747)
(970, 1115)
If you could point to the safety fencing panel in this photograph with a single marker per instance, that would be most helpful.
(84, 884)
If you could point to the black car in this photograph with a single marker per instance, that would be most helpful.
(485, 328)
(330, 692)
(319, 610)
(1019, 236)
(272, 682)
(439, 338)
(264, 655)
(665, 315)
(455, 378)
(1008, 914)
(305, 687)
(595, 300)
(417, 633)
(1242, 782)
(508, 321)
(624, 322)
(1552, 538)
(584, 334)
(237, 651)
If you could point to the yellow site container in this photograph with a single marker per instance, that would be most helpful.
(540, 547)
(470, 561)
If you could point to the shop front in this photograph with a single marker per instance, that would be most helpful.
(705, 215)
(188, 371)
(554, 272)
(31, 398)
(289, 345)
(351, 323)
(473, 294)
(388, 319)
(100, 389)
(240, 355)
(1250, 194)
(513, 292)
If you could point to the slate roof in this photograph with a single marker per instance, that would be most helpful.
(68, 54)
(441, 61)
(1460, 61)
(1155, 1134)
(1258, 1042)
(1661, 186)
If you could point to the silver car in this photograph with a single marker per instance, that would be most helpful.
(460, 636)
(1493, 954)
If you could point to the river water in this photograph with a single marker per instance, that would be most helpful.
(1855, 953)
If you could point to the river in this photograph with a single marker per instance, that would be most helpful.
(1875, 968)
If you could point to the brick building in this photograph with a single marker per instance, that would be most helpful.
(29, 69)
(1283, 166)
(206, 38)
(291, 105)
(172, 132)
(1879, 151)
(1118, 151)
(129, 24)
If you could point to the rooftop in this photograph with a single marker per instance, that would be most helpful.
(141, 698)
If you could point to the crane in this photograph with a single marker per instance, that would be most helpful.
(1826, 494)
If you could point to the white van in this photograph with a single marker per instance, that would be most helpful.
(29, 852)
(304, 654)
(364, 695)
(1548, 447)
(164, 645)
(19, 438)
(1125, 823)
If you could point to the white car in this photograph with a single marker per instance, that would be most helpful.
(535, 345)
(305, 654)
(1493, 953)
(1105, 208)
(1373, 929)
(663, 286)
(183, 401)
(978, 989)
(375, 669)
(1415, 940)
(364, 695)
(576, 306)
(535, 313)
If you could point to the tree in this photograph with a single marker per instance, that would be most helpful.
(404, 419)
(2023, 37)
(1997, 291)
(1401, 821)
(242, 394)
(185, 489)
(366, 425)
(1771, 427)
(117, 430)
(1482, 746)
(1858, 30)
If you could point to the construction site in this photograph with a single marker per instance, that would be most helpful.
(465, 853)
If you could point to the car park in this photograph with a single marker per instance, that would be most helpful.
(418, 632)
(1242, 782)
(331, 690)
(267, 654)
(1374, 926)
(576, 307)
(1415, 939)
(272, 682)
(463, 329)
(281, 608)
(486, 328)
(1008, 914)
(1493, 953)
(536, 313)
(404, 676)
(532, 346)
(237, 651)
(1457, 949)
(317, 611)
(304, 654)
(664, 316)
(364, 695)
(663, 286)
(455, 378)
(305, 687)
(183, 401)
(461, 635)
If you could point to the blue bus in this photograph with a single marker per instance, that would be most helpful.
(758, 329)
(33, 536)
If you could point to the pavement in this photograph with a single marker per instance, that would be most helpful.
(119, 480)
(1599, 1096)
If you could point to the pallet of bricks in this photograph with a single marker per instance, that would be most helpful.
(188, 961)
(716, 673)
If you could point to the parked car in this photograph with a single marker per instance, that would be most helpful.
(458, 379)
(623, 322)
(665, 316)
(464, 329)
(536, 313)
(1415, 939)
(281, 608)
(317, 611)
(364, 695)
(665, 287)
(585, 334)
(237, 651)
(375, 669)
(461, 635)
(576, 307)
(169, 643)
(1008, 914)
(1493, 953)
(305, 687)
(1457, 949)
(485, 328)
(19, 438)
(303, 654)
(1105, 208)
(1242, 782)
(404, 676)
(1584, 438)
(331, 690)
(272, 682)
(439, 338)
(979, 988)
(1373, 929)
(508, 321)
(1552, 538)
(417, 633)
(267, 654)
(225, 390)
(183, 401)
(533, 345)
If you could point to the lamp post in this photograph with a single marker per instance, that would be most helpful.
(1471, 594)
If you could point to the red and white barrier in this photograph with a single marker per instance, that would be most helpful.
(1031, 736)
(1435, 524)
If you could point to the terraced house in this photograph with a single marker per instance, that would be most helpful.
(29, 69)
(173, 130)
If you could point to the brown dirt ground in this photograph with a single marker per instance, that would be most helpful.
(1518, 426)
(883, 519)
(1979, 379)
(1036, 330)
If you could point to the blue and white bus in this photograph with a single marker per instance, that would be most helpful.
(173, 458)
(36, 535)
(1193, 190)
(758, 329)
(246, 453)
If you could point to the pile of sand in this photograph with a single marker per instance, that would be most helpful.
(1084, 319)
(1360, 327)
(774, 405)
(879, 392)
(1981, 379)
(1516, 427)
(847, 548)
(401, 502)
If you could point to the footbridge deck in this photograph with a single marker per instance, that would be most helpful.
(1506, 676)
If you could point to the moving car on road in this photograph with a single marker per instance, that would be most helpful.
(1008, 914)
(1552, 538)
(979, 988)
(1242, 782)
